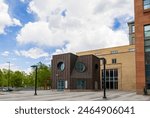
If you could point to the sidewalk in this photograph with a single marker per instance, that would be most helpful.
(48, 95)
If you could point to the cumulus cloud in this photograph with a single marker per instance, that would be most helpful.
(39, 33)
(5, 19)
(33, 53)
(87, 24)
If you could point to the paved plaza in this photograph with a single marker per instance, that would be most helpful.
(48, 95)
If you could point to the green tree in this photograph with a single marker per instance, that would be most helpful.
(43, 74)
(17, 79)
(29, 80)
(4, 77)
(1, 78)
(21, 79)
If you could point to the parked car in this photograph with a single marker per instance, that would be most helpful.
(7, 89)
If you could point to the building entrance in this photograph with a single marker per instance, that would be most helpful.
(60, 85)
(111, 78)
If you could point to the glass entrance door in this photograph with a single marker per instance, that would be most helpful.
(111, 79)
(60, 85)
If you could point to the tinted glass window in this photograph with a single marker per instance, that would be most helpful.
(147, 32)
(80, 67)
(61, 66)
(146, 4)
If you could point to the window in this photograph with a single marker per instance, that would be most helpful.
(80, 67)
(131, 49)
(61, 66)
(147, 57)
(60, 85)
(147, 38)
(132, 28)
(111, 78)
(114, 52)
(147, 53)
(114, 61)
(146, 4)
(96, 66)
(147, 32)
(148, 76)
(81, 84)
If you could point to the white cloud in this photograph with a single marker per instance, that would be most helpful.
(5, 19)
(87, 24)
(34, 53)
(6, 66)
(5, 53)
(39, 33)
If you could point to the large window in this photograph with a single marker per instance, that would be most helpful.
(147, 43)
(111, 78)
(146, 4)
(147, 54)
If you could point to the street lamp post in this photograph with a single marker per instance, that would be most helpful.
(35, 66)
(104, 75)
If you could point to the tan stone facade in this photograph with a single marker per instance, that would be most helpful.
(121, 58)
(142, 18)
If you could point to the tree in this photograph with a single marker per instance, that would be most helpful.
(21, 79)
(29, 80)
(43, 74)
(17, 79)
(1, 78)
(4, 77)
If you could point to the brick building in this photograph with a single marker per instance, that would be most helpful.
(142, 44)
(72, 72)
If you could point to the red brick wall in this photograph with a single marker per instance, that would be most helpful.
(141, 18)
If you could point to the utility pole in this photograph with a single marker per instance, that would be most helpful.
(104, 76)
(35, 66)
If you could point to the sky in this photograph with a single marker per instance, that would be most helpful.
(31, 31)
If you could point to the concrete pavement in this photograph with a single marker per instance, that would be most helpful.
(48, 95)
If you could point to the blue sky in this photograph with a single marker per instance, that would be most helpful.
(31, 31)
